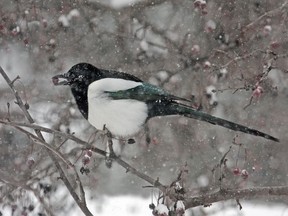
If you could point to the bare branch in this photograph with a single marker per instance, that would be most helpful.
(141, 175)
(122, 163)
(38, 141)
(267, 14)
(81, 189)
(22, 106)
(44, 129)
(224, 194)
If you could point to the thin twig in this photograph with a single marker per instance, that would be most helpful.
(81, 189)
(22, 106)
(241, 58)
(44, 129)
(134, 171)
(122, 163)
(38, 141)
(269, 13)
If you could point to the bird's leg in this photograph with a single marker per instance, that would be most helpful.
(147, 133)
(110, 152)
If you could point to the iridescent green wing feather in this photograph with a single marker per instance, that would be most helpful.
(145, 92)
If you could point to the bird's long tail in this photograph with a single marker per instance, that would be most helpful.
(181, 109)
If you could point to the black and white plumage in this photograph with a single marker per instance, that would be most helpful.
(124, 103)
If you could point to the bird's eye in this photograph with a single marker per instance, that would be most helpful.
(79, 78)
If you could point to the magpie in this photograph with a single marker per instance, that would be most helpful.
(124, 103)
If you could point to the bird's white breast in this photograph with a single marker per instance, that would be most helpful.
(121, 117)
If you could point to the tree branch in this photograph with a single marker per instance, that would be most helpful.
(268, 13)
(224, 194)
(122, 163)
(20, 103)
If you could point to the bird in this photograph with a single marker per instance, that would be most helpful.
(123, 103)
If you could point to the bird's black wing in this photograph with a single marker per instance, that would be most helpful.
(145, 92)
(161, 103)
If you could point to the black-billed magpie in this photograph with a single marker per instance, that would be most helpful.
(124, 103)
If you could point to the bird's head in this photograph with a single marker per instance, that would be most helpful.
(82, 73)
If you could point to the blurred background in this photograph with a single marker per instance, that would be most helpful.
(228, 57)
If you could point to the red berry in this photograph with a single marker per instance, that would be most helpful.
(207, 64)
(200, 4)
(244, 174)
(236, 171)
(197, 3)
(210, 26)
(44, 22)
(274, 44)
(204, 11)
(258, 91)
(30, 162)
(203, 4)
(267, 30)
(26, 41)
(155, 141)
(195, 49)
(86, 159)
(180, 208)
(89, 152)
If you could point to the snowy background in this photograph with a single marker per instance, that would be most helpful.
(203, 51)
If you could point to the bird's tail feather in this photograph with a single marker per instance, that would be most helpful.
(176, 108)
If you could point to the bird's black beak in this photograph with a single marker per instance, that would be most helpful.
(60, 79)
